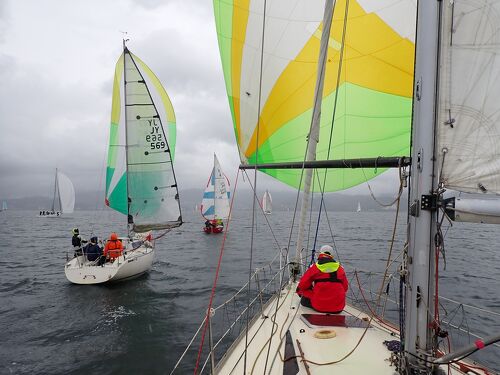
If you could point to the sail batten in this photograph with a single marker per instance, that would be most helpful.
(373, 97)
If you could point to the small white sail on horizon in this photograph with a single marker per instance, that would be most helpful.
(267, 203)
(4, 206)
(359, 207)
(63, 201)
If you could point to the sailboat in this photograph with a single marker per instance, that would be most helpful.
(267, 203)
(365, 78)
(359, 207)
(140, 178)
(215, 203)
(4, 206)
(63, 201)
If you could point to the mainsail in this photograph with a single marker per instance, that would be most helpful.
(267, 203)
(367, 93)
(469, 120)
(66, 193)
(215, 203)
(140, 180)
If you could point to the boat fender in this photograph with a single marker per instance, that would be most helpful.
(325, 334)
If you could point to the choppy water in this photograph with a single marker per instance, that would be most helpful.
(49, 326)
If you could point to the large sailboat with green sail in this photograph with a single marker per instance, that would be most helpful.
(325, 95)
(140, 178)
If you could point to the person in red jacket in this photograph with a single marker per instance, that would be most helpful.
(324, 285)
(113, 248)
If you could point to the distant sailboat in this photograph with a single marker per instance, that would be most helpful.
(4, 206)
(140, 177)
(267, 203)
(215, 203)
(359, 207)
(63, 201)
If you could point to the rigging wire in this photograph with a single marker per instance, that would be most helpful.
(255, 180)
(332, 122)
(262, 210)
(207, 316)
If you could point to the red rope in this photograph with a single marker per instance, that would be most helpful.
(200, 350)
(380, 320)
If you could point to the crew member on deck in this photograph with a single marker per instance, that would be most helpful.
(113, 248)
(93, 251)
(324, 285)
(77, 241)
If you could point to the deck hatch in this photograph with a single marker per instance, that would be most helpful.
(334, 321)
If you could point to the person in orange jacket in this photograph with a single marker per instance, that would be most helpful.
(324, 285)
(113, 248)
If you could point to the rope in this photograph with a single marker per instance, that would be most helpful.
(207, 317)
(255, 175)
(262, 210)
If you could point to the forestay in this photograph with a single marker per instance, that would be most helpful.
(469, 108)
(140, 180)
(215, 203)
(375, 85)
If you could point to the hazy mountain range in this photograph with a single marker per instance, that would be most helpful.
(282, 201)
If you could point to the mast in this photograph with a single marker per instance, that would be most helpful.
(215, 211)
(420, 286)
(314, 130)
(130, 219)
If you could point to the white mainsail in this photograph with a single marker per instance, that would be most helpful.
(66, 193)
(267, 203)
(469, 117)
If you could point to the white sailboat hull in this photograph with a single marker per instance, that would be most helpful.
(370, 357)
(132, 264)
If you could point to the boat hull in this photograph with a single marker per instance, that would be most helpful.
(130, 265)
(213, 230)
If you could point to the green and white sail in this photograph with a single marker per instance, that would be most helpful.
(272, 107)
(140, 179)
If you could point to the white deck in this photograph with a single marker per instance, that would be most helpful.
(370, 357)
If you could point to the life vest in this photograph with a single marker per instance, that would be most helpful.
(325, 284)
(76, 241)
(113, 248)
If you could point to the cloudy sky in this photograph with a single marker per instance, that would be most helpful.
(57, 62)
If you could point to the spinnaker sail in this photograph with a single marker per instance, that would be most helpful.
(368, 93)
(140, 179)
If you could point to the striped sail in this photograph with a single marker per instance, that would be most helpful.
(469, 110)
(140, 179)
(367, 93)
(215, 203)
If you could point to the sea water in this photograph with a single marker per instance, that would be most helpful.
(49, 326)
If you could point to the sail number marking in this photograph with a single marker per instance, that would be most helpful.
(155, 137)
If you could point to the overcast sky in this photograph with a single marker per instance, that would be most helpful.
(57, 61)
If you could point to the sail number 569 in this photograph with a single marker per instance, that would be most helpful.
(155, 141)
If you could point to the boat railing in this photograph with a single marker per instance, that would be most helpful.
(227, 320)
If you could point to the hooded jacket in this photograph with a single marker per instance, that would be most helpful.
(325, 284)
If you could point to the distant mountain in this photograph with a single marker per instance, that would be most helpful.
(282, 201)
